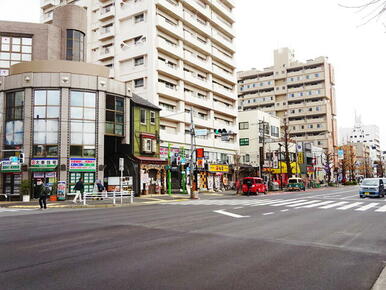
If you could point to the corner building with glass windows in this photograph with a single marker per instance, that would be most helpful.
(60, 114)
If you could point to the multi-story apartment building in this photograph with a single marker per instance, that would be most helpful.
(303, 93)
(360, 133)
(177, 54)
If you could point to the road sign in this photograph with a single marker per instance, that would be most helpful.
(121, 164)
(201, 132)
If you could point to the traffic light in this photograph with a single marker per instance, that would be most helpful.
(220, 131)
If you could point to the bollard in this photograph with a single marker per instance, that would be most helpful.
(132, 197)
(114, 197)
(84, 198)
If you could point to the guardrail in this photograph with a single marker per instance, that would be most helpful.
(114, 195)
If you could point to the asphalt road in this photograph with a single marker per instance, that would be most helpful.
(328, 239)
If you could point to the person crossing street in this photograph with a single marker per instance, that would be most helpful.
(79, 189)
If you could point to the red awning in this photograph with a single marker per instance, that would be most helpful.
(145, 159)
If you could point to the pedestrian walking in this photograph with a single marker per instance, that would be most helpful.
(79, 189)
(42, 191)
(99, 188)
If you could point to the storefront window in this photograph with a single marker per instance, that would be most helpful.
(14, 118)
(46, 123)
(75, 45)
(114, 115)
(14, 49)
(82, 124)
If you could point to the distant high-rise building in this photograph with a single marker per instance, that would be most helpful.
(176, 54)
(302, 92)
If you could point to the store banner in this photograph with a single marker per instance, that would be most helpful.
(43, 164)
(218, 168)
(83, 164)
(8, 166)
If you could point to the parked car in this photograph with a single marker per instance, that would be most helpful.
(296, 183)
(372, 187)
(254, 185)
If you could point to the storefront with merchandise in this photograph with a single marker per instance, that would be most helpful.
(84, 168)
(11, 178)
(217, 177)
(44, 169)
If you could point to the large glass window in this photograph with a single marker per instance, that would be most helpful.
(75, 45)
(14, 118)
(114, 115)
(14, 49)
(82, 123)
(46, 123)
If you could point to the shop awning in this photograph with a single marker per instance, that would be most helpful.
(150, 160)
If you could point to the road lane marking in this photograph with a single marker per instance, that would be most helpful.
(381, 209)
(318, 204)
(368, 206)
(351, 205)
(268, 213)
(239, 207)
(334, 205)
(230, 214)
(302, 203)
(290, 202)
(283, 210)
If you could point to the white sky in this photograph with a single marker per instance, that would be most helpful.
(313, 28)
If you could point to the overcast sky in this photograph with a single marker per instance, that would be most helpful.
(313, 28)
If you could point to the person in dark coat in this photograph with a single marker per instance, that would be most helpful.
(79, 189)
(42, 193)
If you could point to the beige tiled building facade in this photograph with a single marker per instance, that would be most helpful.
(177, 54)
(303, 93)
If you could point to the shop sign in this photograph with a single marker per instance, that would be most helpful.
(83, 164)
(310, 169)
(163, 151)
(8, 166)
(218, 168)
(44, 164)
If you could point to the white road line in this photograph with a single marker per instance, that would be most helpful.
(348, 197)
(290, 202)
(368, 206)
(381, 209)
(268, 213)
(283, 210)
(318, 204)
(239, 207)
(334, 205)
(351, 205)
(302, 203)
(230, 214)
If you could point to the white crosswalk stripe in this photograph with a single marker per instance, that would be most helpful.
(318, 204)
(350, 205)
(291, 203)
(366, 207)
(381, 209)
(2, 209)
(334, 204)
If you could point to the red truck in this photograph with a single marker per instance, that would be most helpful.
(253, 185)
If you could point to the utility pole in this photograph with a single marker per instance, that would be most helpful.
(281, 171)
(262, 134)
(192, 134)
(286, 147)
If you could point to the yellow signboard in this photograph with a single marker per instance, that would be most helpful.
(218, 168)
(283, 168)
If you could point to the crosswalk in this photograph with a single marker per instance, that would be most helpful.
(378, 207)
(5, 209)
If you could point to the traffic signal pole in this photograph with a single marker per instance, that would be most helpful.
(192, 194)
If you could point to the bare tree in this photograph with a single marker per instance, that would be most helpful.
(372, 10)
(328, 163)
(287, 140)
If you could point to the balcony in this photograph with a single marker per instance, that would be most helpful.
(171, 92)
(131, 8)
(231, 145)
(171, 6)
(106, 13)
(195, 22)
(106, 53)
(170, 69)
(223, 9)
(226, 27)
(198, 44)
(203, 9)
(222, 91)
(193, 79)
(230, 77)
(170, 47)
(222, 108)
(128, 52)
(172, 115)
(171, 138)
(106, 33)
(196, 61)
(47, 17)
(170, 26)
(192, 97)
(45, 4)
(222, 40)
(199, 121)
(225, 58)
(202, 142)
